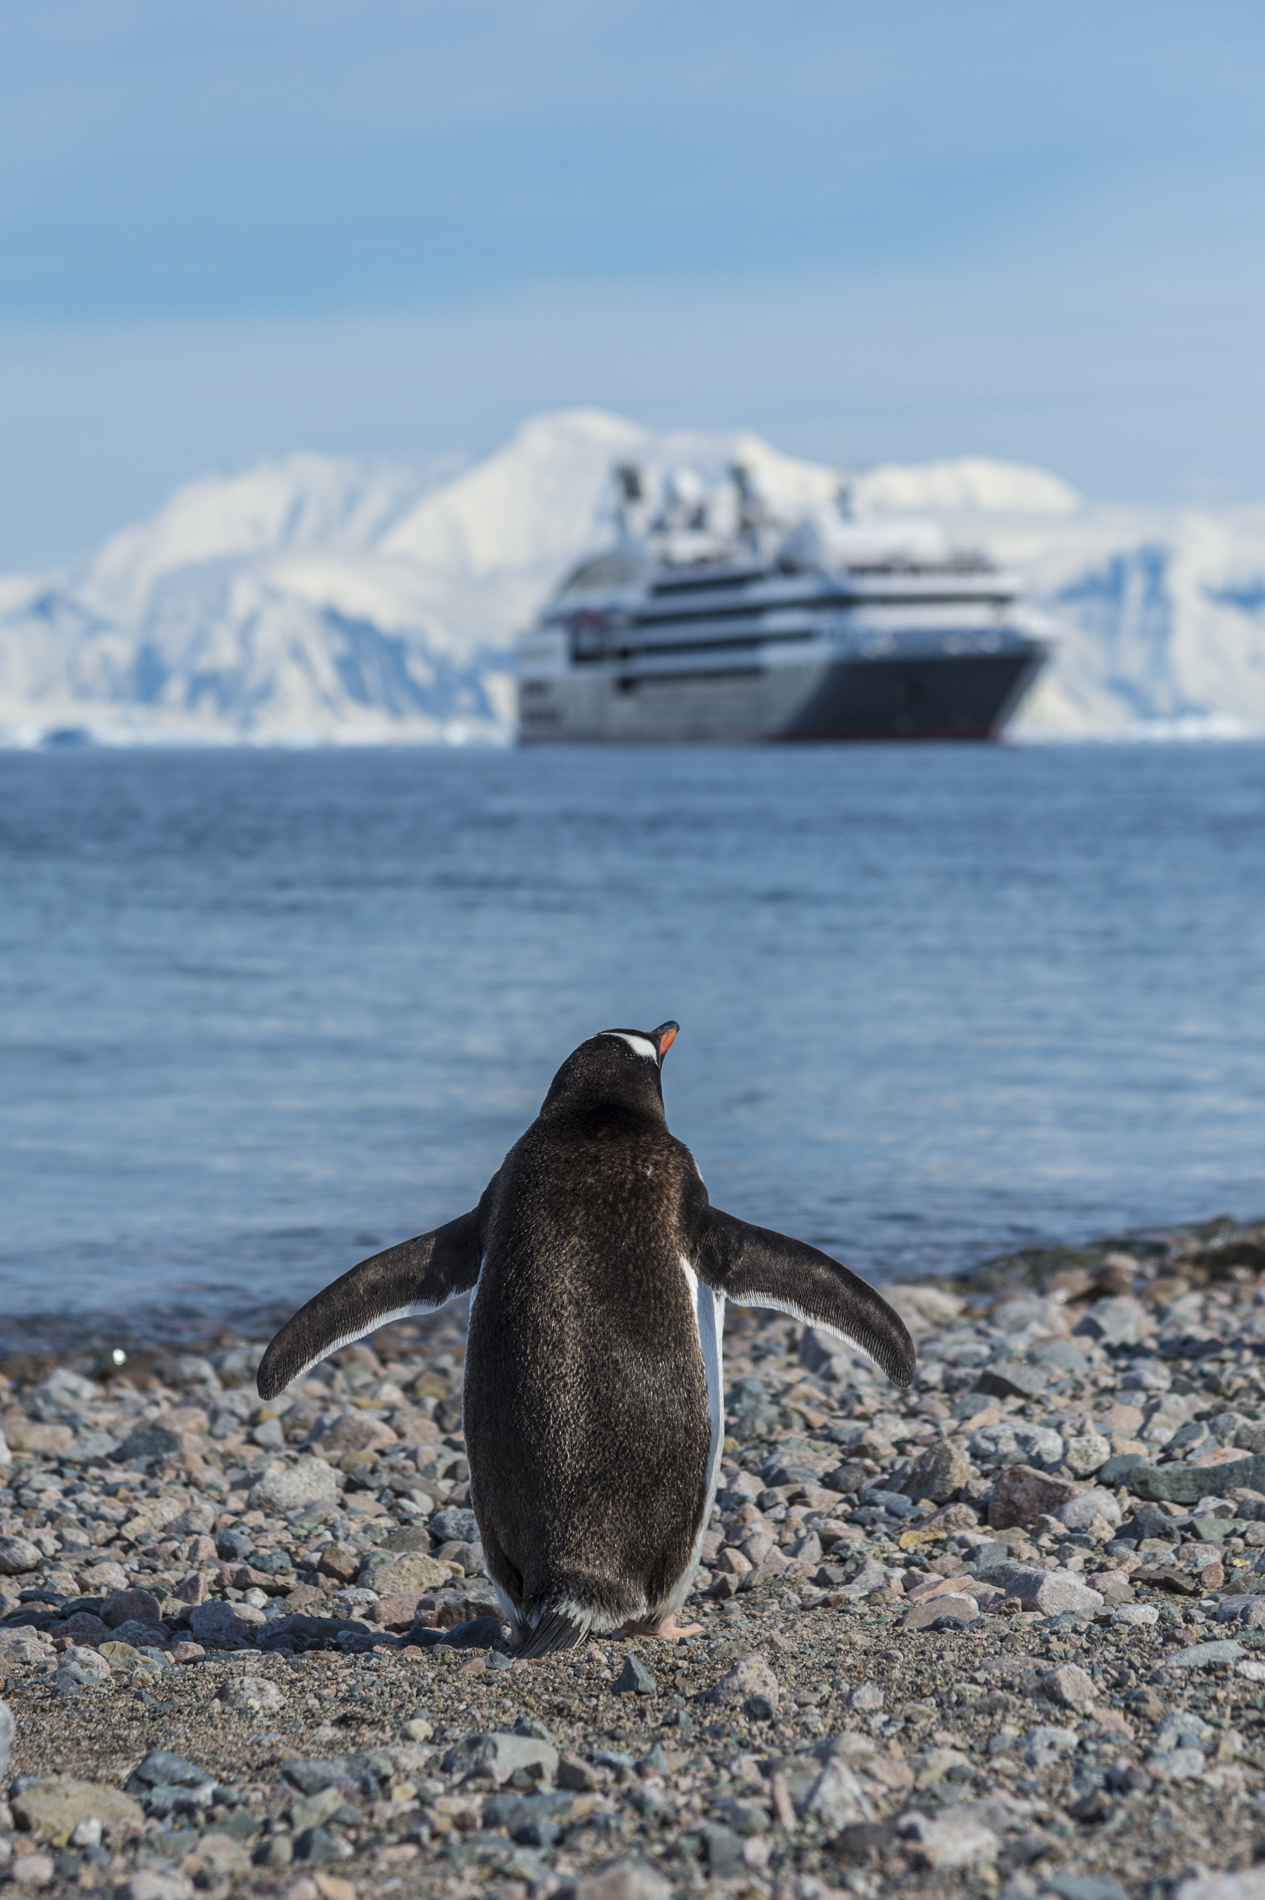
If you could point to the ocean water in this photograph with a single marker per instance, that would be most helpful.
(265, 1012)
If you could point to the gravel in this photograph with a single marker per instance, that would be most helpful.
(971, 1637)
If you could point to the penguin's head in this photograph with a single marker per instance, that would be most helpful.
(618, 1068)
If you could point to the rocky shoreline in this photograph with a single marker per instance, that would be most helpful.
(1004, 1633)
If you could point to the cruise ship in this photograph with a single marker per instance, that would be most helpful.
(705, 618)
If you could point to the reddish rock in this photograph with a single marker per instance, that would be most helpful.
(924, 1614)
(357, 1431)
(954, 1517)
(397, 1612)
(100, 1578)
(1021, 1495)
(84, 1628)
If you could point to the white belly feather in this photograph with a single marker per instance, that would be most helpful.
(709, 1321)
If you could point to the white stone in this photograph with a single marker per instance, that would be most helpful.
(290, 1487)
(252, 1692)
(1016, 1442)
(1085, 1455)
(1139, 1616)
(837, 1797)
(954, 1838)
(1079, 1513)
(1249, 1884)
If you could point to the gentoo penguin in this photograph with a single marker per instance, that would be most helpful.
(593, 1406)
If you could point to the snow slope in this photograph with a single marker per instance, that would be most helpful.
(316, 599)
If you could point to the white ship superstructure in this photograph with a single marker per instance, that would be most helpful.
(828, 628)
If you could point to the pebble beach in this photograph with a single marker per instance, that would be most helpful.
(1003, 1633)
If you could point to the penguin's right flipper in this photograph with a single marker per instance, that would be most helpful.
(754, 1266)
(414, 1277)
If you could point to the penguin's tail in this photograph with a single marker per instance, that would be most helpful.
(556, 1629)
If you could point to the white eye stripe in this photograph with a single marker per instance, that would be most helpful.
(638, 1044)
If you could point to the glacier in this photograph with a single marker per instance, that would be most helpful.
(325, 600)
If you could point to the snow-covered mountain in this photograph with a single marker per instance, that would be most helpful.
(324, 599)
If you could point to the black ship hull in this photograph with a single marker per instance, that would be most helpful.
(935, 695)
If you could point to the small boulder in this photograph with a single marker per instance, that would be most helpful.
(221, 1625)
(940, 1472)
(1052, 1592)
(1021, 1495)
(1070, 1686)
(289, 1487)
(415, 1572)
(18, 1555)
(634, 1679)
(1013, 1441)
(499, 1754)
(357, 1431)
(51, 1809)
(252, 1693)
(26, 1435)
(1080, 1512)
(953, 1838)
(1087, 1453)
(837, 1797)
(625, 1880)
(123, 1606)
(750, 1677)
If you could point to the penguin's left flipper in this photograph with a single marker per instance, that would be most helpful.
(753, 1266)
(416, 1276)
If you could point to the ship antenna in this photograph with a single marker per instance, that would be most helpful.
(752, 514)
(629, 493)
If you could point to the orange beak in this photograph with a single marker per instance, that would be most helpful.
(665, 1035)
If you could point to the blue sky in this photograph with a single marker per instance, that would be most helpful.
(1029, 228)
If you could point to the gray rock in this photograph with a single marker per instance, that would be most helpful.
(1087, 1453)
(837, 1797)
(1205, 1655)
(17, 1556)
(1118, 1322)
(499, 1754)
(1151, 1521)
(1052, 1592)
(6, 1738)
(150, 1442)
(1016, 1442)
(724, 1851)
(315, 1844)
(310, 1777)
(625, 1880)
(952, 1838)
(1046, 1744)
(1062, 1356)
(1085, 1886)
(455, 1526)
(939, 1473)
(162, 1768)
(635, 1679)
(217, 1624)
(1118, 1467)
(750, 1409)
(290, 1487)
(1187, 1484)
(1011, 1378)
(1079, 1513)
(1246, 1885)
(969, 1404)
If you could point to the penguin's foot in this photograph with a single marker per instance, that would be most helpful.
(668, 1630)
